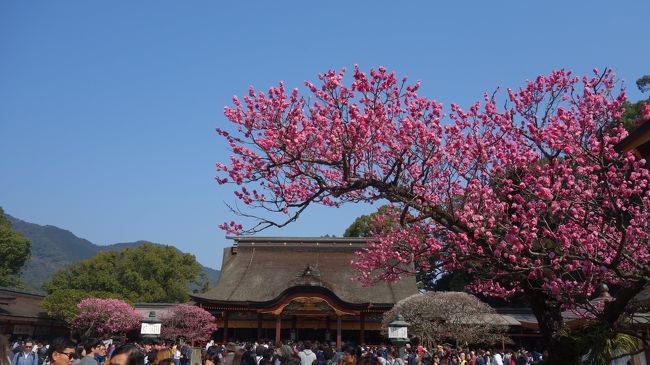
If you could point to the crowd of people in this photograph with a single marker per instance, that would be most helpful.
(308, 353)
(62, 351)
(92, 351)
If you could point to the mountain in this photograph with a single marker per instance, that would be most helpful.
(54, 248)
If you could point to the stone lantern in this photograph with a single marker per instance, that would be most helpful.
(398, 333)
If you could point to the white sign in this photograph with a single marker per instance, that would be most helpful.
(397, 332)
(150, 329)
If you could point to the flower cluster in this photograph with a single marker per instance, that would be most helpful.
(530, 196)
(188, 322)
(103, 318)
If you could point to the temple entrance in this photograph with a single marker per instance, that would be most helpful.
(312, 334)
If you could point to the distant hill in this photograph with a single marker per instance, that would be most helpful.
(54, 248)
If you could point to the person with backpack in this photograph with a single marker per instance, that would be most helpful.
(26, 356)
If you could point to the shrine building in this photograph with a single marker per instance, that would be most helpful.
(280, 288)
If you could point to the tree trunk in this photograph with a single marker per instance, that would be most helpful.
(562, 348)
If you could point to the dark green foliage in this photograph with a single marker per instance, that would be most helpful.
(62, 303)
(15, 249)
(363, 225)
(632, 113)
(643, 83)
(147, 273)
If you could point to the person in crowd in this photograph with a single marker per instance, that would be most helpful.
(41, 352)
(93, 348)
(176, 350)
(497, 359)
(393, 358)
(259, 352)
(26, 356)
(186, 354)
(248, 357)
(5, 351)
(267, 357)
(349, 356)
(231, 348)
(462, 359)
(61, 351)
(307, 356)
(212, 356)
(162, 352)
(79, 353)
(149, 352)
(286, 356)
(368, 360)
(100, 356)
(480, 359)
(128, 354)
(236, 360)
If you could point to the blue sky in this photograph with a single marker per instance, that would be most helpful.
(108, 109)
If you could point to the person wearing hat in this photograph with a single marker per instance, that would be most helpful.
(231, 349)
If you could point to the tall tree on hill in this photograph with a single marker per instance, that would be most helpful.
(15, 249)
(533, 197)
(643, 83)
(147, 273)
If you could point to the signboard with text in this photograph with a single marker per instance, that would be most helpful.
(150, 329)
(20, 329)
(397, 332)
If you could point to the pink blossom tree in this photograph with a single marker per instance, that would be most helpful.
(103, 318)
(188, 322)
(532, 197)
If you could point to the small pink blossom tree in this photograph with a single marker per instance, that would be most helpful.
(532, 197)
(103, 318)
(188, 322)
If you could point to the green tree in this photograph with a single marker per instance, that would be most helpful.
(632, 113)
(15, 249)
(643, 83)
(147, 273)
(62, 303)
(364, 225)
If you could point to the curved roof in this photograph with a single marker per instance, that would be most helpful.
(262, 269)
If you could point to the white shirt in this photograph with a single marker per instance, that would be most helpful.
(497, 359)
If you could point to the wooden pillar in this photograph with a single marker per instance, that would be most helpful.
(362, 329)
(338, 333)
(225, 327)
(278, 325)
(259, 327)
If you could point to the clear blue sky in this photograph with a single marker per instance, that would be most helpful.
(108, 108)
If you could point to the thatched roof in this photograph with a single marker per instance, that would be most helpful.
(263, 269)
